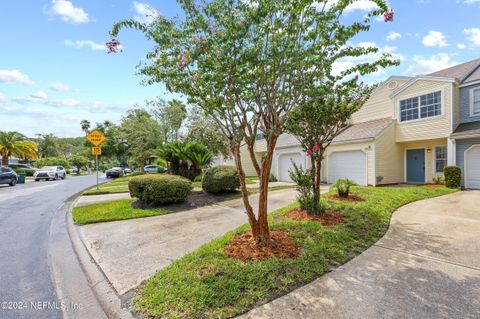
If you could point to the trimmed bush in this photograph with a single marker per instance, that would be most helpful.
(453, 176)
(220, 179)
(272, 178)
(154, 190)
(137, 173)
(27, 171)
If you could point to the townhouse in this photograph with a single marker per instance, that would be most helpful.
(407, 132)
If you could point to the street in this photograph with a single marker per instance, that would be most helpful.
(26, 215)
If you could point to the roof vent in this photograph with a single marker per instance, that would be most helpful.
(392, 85)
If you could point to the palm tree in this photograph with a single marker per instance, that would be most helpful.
(16, 144)
(200, 156)
(85, 126)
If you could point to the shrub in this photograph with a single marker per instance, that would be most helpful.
(137, 173)
(198, 178)
(304, 187)
(343, 187)
(272, 178)
(27, 171)
(160, 169)
(453, 176)
(153, 190)
(438, 180)
(220, 179)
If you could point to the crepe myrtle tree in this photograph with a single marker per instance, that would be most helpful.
(248, 64)
(317, 121)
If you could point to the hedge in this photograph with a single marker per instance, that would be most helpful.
(220, 179)
(453, 176)
(153, 190)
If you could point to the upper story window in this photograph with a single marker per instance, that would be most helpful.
(475, 102)
(421, 107)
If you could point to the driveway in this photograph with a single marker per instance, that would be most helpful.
(132, 251)
(426, 266)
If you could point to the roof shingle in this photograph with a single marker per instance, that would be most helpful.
(460, 72)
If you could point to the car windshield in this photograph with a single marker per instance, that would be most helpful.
(117, 168)
(49, 168)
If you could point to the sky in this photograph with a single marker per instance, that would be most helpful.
(55, 72)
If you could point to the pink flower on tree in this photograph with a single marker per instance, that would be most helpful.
(309, 152)
(388, 16)
(356, 77)
(113, 46)
(315, 148)
(183, 60)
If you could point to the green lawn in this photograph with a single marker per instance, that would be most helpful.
(206, 283)
(110, 211)
(119, 185)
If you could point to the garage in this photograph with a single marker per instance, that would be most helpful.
(285, 165)
(348, 164)
(472, 167)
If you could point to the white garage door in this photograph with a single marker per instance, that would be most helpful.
(472, 167)
(349, 164)
(285, 165)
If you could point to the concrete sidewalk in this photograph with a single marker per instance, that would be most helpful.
(426, 266)
(131, 251)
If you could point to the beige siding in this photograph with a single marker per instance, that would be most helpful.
(430, 128)
(379, 105)
(389, 158)
(367, 147)
(247, 161)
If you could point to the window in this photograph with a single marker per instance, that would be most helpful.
(421, 107)
(259, 136)
(475, 104)
(440, 158)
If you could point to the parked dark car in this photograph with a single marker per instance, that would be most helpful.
(114, 172)
(8, 176)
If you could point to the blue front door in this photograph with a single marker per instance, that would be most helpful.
(416, 166)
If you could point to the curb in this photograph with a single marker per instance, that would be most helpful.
(106, 295)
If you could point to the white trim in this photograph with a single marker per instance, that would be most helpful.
(465, 175)
(451, 110)
(466, 136)
(451, 152)
(343, 151)
(374, 164)
(469, 83)
(421, 77)
(418, 95)
(434, 159)
(405, 162)
(471, 98)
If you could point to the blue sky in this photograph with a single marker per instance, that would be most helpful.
(54, 70)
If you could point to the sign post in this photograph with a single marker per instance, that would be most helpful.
(96, 138)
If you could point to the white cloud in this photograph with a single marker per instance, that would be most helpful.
(145, 13)
(426, 65)
(40, 95)
(471, 1)
(434, 39)
(68, 12)
(340, 66)
(473, 35)
(79, 44)
(461, 46)
(15, 76)
(60, 87)
(392, 36)
(35, 99)
(2, 98)
(361, 5)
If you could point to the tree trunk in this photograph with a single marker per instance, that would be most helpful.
(5, 160)
(316, 186)
(264, 231)
(254, 224)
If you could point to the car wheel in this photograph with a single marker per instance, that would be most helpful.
(37, 180)
(13, 182)
(64, 176)
(56, 177)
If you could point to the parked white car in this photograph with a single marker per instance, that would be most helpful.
(50, 173)
(151, 169)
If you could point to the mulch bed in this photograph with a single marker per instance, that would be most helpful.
(330, 218)
(432, 185)
(244, 247)
(350, 198)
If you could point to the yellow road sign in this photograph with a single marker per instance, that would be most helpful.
(96, 150)
(96, 137)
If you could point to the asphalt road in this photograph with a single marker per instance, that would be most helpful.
(26, 215)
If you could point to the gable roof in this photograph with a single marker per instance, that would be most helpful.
(462, 72)
(467, 129)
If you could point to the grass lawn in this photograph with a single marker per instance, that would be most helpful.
(206, 283)
(110, 211)
(119, 185)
